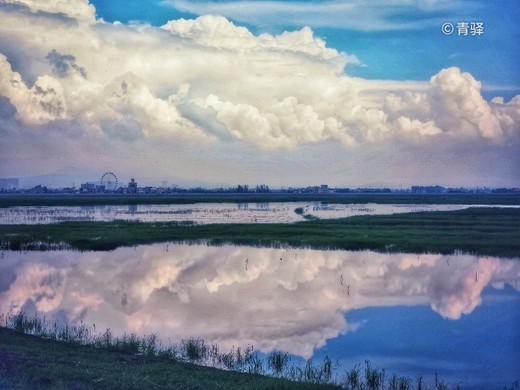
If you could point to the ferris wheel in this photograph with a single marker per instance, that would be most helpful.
(109, 180)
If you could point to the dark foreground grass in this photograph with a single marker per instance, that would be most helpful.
(31, 362)
(479, 231)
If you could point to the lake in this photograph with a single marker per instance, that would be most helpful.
(279, 212)
(413, 315)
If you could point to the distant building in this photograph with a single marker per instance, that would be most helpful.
(9, 183)
(39, 189)
(132, 187)
(87, 187)
(91, 187)
(324, 189)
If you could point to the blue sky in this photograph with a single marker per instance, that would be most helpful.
(283, 93)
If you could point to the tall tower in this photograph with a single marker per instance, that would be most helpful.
(132, 186)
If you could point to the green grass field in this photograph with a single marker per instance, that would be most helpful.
(8, 200)
(479, 231)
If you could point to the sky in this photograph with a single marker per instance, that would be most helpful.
(284, 93)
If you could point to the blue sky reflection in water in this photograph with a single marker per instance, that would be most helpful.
(480, 350)
(413, 315)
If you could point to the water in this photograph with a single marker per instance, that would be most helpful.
(414, 315)
(282, 212)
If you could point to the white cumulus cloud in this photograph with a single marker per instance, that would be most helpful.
(207, 81)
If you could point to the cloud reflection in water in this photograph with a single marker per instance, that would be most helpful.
(287, 299)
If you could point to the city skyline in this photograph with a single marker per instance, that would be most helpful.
(286, 93)
(114, 185)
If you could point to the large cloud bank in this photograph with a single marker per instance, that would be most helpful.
(292, 300)
(206, 81)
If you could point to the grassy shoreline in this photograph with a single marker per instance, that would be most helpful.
(479, 231)
(33, 362)
(9, 200)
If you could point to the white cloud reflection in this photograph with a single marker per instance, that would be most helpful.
(292, 300)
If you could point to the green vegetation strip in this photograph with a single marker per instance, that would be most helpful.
(479, 231)
(9, 200)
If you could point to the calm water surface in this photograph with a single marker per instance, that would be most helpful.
(414, 315)
(275, 212)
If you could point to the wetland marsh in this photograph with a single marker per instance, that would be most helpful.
(418, 289)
